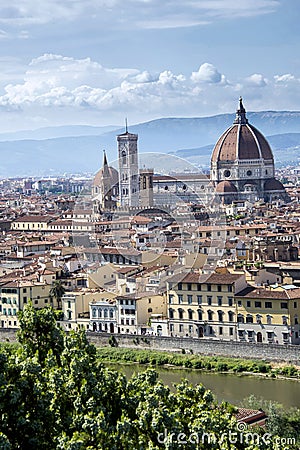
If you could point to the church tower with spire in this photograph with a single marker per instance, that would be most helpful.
(105, 188)
(128, 169)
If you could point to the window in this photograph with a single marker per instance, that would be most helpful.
(230, 331)
(230, 289)
(270, 335)
(180, 298)
(220, 331)
(198, 287)
(200, 315)
(190, 299)
(283, 305)
(190, 313)
(149, 310)
(269, 320)
(220, 316)
(149, 300)
(189, 287)
(230, 316)
(179, 286)
(239, 302)
(219, 301)
(171, 298)
(230, 301)
(258, 318)
(210, 315)
(211, 330)
(180, 313)
(240, 318)
(69, 304)
(209, 300)
(295, 304)
(171, 313)
(199, 299)
(180, 328)
(209, 287)
(248, 303)
(284, 320)
(219, 288)
(190, 328)
(249, 319)
(268, 305)
(257, 304)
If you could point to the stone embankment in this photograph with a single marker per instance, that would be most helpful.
(268, 352)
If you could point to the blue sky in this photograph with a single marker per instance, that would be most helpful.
(97, 61)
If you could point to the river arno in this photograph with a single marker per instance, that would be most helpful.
(232, 388)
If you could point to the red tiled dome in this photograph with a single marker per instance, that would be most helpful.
(226, 187)
(273, 185)
(241, 141)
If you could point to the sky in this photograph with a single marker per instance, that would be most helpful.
(95, 62)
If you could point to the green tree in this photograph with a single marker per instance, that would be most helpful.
(55, 394)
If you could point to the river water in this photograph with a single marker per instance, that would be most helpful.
(228, 387)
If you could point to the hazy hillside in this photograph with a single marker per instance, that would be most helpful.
(188, 138)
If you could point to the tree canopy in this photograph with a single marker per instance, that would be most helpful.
(55, 394)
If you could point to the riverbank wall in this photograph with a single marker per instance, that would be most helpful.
(269, 352)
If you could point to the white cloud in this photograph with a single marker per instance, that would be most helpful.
(63, 89)
(284, 78)
(256, 80)
(207, 73)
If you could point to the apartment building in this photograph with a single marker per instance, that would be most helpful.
(203, 305)
(268, 315)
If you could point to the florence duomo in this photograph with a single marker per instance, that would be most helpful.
(242, 169)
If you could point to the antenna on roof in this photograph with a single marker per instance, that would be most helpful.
(126, 125)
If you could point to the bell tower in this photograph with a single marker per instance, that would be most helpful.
(128, 169)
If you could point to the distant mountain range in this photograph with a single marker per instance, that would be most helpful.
(74, 149)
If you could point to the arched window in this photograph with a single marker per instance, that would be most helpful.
(144, 182)
(240, 318)
(124, 157)
(105, 312)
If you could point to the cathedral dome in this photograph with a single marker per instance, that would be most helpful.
(273, 185)
(225, 187)
(241, 141)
